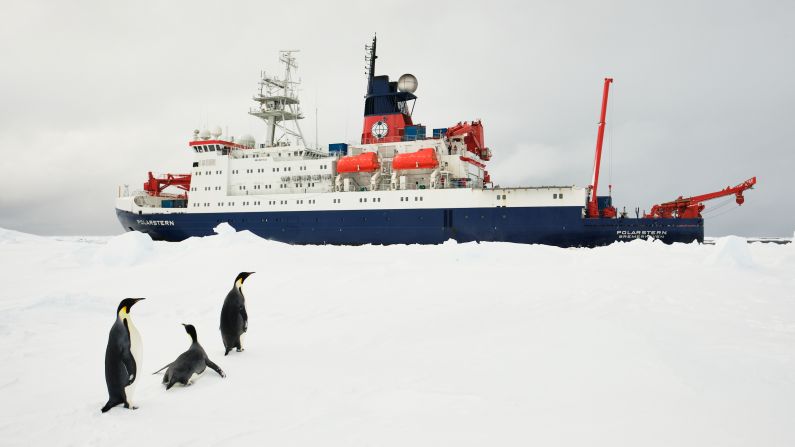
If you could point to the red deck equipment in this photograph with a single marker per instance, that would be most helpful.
(365, 162)
(473, 138)
(593, 203)
(155, 185)
(691, 207)
(422, 159)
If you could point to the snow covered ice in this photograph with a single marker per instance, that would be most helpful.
(459, 344)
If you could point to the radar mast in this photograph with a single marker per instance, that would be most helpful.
(279, 105)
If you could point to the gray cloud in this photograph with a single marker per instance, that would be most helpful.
(96, 94)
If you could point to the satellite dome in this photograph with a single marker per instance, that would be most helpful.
(205, 134)
(407, 83)
(217, 132)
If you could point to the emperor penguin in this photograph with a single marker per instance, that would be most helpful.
(189, 364)
(123, 357)
(234, 319)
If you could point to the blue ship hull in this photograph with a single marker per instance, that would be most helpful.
(558, 226)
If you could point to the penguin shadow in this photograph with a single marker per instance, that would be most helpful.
(190, 364)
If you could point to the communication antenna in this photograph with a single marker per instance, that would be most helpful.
(279, 105)
(370, 58)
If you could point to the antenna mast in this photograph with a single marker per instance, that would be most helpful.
(370, 58)
(279, 103)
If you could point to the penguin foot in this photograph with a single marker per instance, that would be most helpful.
(240, 349)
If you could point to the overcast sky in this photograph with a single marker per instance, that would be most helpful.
(95, 94)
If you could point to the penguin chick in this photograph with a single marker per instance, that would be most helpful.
(189, 364)
(234, 318)
(122, 357)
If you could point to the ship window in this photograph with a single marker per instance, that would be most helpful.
(560, 196)
(554, 196)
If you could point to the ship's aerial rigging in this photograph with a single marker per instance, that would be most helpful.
(279, 105)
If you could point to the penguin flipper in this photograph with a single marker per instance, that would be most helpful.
(215, 367)
(127, 358)
(162, 368)
(244, 315)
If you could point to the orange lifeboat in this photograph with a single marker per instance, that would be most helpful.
(365, 162)
(422, 159)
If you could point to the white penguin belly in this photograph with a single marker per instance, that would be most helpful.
(136, 349)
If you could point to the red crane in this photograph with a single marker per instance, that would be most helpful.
(691, 207)
(593, 203)
(473, 138)
(155, 186)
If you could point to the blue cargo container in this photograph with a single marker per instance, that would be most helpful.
(411, 133)
(338, 149)
(439, 133)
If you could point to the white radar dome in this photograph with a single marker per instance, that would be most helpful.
(205, 134)
(407, 83)
(217, 132)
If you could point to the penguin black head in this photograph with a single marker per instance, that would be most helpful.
(242, 277)
(191, 331)
(127, 304)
